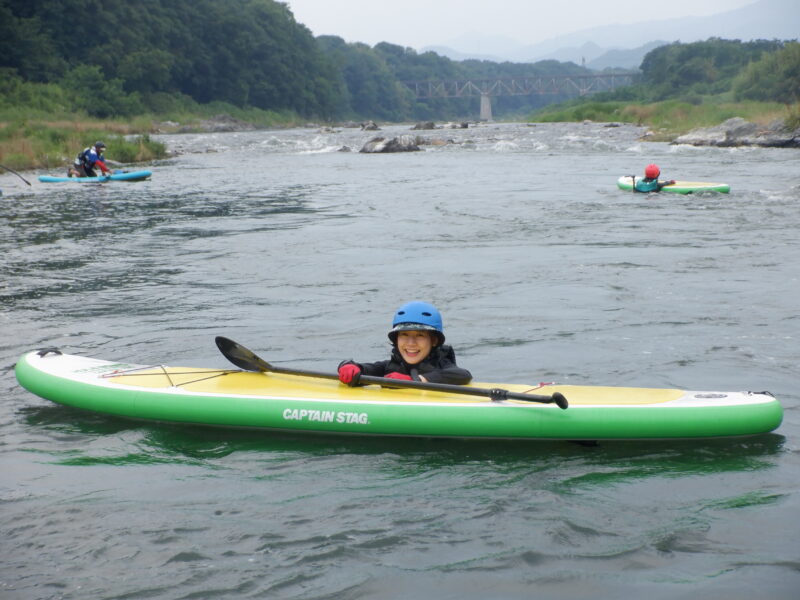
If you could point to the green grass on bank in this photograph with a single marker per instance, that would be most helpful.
(669, 118)
(54, 144)
(44, 135)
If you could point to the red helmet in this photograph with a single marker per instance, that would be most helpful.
(652, 171)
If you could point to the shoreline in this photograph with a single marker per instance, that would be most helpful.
(35, 155)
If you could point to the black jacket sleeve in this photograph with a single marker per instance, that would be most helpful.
(373, 369)
(441, 367)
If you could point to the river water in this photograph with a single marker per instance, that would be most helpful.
(543, 270)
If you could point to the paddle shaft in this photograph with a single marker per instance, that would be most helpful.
(493, 393)
(248, 360)
(15, 173)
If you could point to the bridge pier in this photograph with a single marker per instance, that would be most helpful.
(486, 107)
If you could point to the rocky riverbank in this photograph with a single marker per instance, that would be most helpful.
(739, 132)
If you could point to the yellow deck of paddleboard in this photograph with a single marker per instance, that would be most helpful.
(697, 184)
(681, 183)
(273, 385)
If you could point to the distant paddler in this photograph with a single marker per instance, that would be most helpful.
(87, 160)
(650, 182)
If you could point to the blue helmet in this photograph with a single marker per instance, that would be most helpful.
(419, 316)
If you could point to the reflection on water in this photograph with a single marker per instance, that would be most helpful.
(631, 459)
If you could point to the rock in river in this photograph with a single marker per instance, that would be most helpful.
(403, 143)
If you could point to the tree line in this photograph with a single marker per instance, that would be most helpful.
(122, 59)
(765, 70)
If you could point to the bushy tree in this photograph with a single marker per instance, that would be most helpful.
(706, 67)
(774, 77)
(27, 47)
(98, 96)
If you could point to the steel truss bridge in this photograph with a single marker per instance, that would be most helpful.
(578, 85)
(568, 85)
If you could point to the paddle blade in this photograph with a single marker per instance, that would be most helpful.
(560, 400)
(241, 356)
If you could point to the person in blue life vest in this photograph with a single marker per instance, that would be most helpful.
(87, 160)
(650, 182)
(418, 351)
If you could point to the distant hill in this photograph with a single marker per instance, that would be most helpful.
(621, 58)
(459, 56)
(764, 19)
(580, 55)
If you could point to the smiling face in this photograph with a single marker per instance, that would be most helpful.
(414, 346)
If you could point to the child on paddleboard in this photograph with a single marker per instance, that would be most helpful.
(418, 351)
(650, 182)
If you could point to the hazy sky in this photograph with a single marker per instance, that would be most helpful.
(419, 23)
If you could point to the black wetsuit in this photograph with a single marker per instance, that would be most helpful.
(439, 367)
